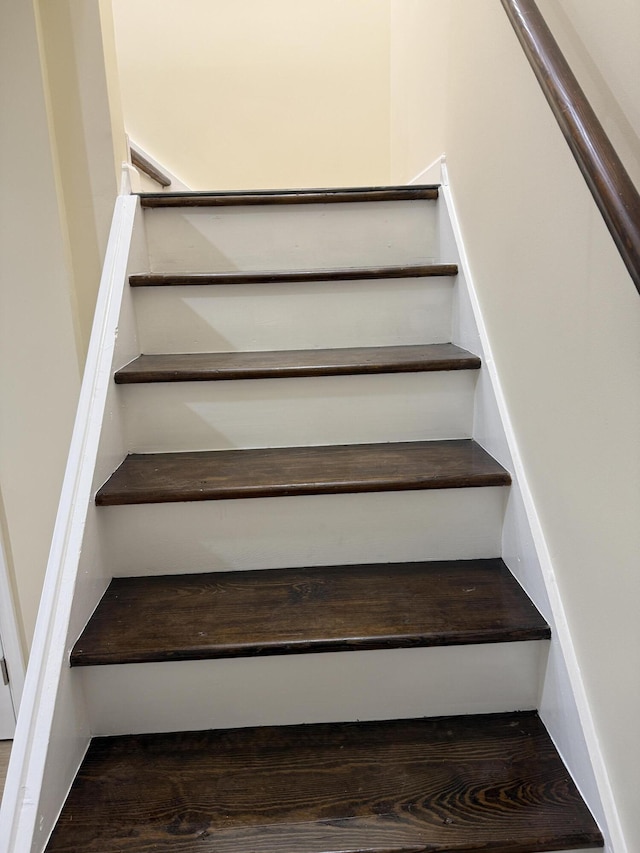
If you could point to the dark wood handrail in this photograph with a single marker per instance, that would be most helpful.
(141, 162)
(608, 180)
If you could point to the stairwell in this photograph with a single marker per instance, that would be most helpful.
(311, 642)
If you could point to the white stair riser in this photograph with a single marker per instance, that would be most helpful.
(280, 237)
(307, 315)
(314, 530)
(314, 688)
(295, 412)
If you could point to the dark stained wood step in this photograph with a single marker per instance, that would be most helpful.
(190, 367)
(300, 196)
(475, 784)
(273, 472)
(293, 611)
(426, 270)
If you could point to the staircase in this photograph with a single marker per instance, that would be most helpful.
(310, 642)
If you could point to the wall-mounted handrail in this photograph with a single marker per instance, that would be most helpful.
(142, 162)
(608, 180)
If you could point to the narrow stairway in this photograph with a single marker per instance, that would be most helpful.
(310, 642)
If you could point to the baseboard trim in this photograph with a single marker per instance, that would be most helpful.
(431, 174)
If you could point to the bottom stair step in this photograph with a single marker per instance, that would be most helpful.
(464, 784)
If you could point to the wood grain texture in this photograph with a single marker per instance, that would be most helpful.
(191, 367)
(465, 784)
(301, 196)
(273, 472)
(292, 611)
(157, 279)
(611, 186)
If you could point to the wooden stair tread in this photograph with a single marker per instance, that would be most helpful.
(280, 471)
(189, 367)
(173, 279)
(320, 609)
(295, 196)
(475, 783)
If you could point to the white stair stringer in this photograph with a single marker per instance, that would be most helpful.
(302, 315)
(288, 412)
(312, 688)
(291, 236)
(308, 530)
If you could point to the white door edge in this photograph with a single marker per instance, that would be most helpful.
(10, 640)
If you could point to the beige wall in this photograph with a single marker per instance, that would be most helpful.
(84, 144)
(39, 364)
(248, 93)
(419, 37)
(601, 44)
(564, 319)
(59, 180)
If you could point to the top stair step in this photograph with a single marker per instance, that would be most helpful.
(297, 196)
(291, 230)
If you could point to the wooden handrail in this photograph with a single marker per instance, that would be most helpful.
(145, 165)
(608, 180)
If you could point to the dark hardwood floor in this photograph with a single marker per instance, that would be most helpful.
(464, 784)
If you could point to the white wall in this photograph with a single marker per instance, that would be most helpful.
(247, 93)
(564, 320)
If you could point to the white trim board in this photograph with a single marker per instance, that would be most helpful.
(10, 632)
(564, 707)
(432, 174)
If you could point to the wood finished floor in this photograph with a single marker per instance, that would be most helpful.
(273, 472)
(292, 611)
(5, 752)
(488, 783)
